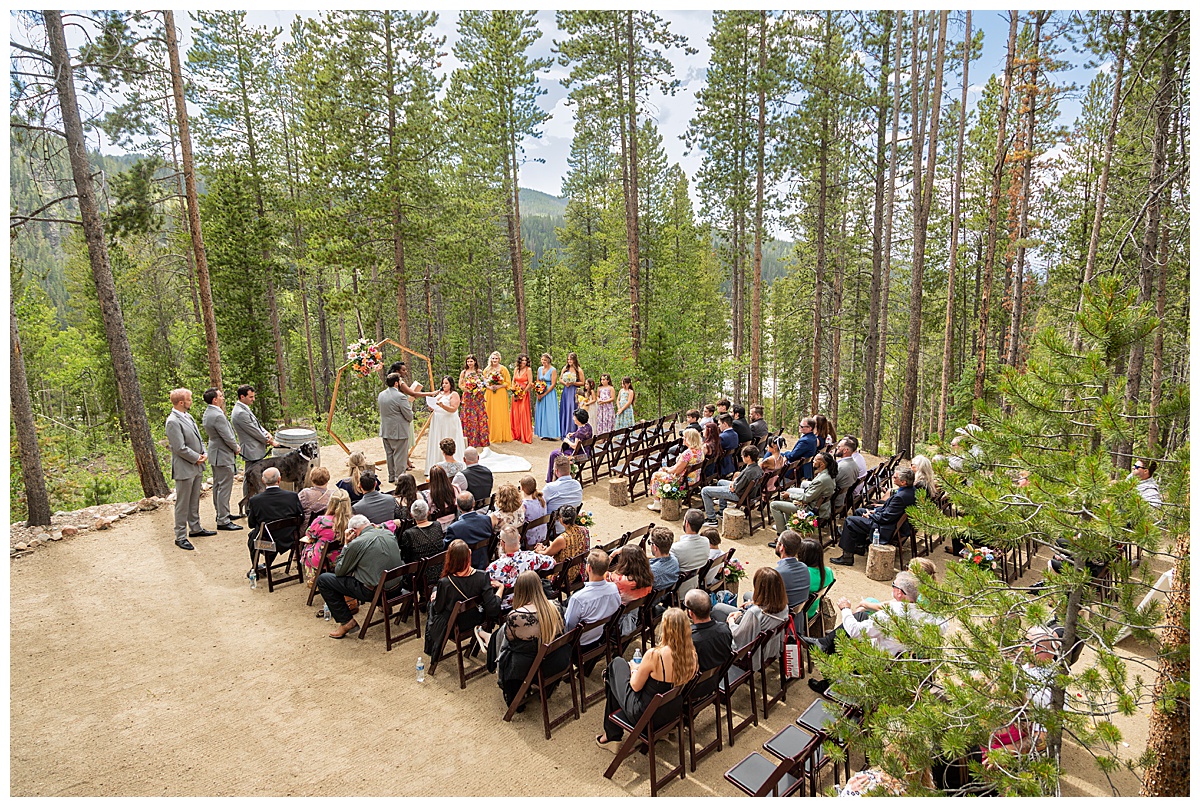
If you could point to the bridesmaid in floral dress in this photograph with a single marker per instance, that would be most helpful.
(473, 410)
(545, 424)
(522, 411)
(572, 380)
(606, 411)
(625, 399)
(498, 381)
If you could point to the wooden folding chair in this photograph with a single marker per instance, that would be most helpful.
(593, 654)
(766, 638)
(267, 537)
(619, 639)
(794, 742)
(541, 521)
(464, 641)
(538, 680)
(568, 576)
(700, 694)
(739, 672)
(640, 534)
(756, 775)
(389, 603)
(718, 563)
(817, 718)
(648, 730)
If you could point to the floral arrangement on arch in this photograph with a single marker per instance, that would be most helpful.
(671, 490)
(803, 522)
(983, 557)
(364, 357)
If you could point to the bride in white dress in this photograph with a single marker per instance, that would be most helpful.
(444, 423)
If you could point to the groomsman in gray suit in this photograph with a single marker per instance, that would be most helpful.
(395, 426)
(187, 468)
(222, 449)
(253, 438)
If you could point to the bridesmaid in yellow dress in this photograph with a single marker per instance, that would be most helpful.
(499, 423)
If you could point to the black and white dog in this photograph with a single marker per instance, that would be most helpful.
(293, 468)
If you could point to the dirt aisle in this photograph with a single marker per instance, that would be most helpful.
(138, 669)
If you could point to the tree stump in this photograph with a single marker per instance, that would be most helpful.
(618, 491)
(734, 525)
(670, 509)
(880, 559)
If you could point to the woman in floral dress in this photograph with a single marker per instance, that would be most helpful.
(545, 425)
(689, 465)
(606, 410)
(473, 409)
(572, 380)
(498, 381)
(625, 399)
(522, 409)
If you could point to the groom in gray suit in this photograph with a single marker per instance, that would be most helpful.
(187, 468)
(395, 426)
(222, 449)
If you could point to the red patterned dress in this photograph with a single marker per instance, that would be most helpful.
(473, 413)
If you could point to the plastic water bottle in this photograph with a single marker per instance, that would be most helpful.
(253, 578)
(875, 537)
(637, 656)
(325, 612)
(420, 670)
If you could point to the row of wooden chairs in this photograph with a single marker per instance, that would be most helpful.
(604, 452)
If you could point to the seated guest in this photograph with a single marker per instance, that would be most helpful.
(874, 624)
(709, 416)
(723, 407)
(573, 540)
(461, 582)
(1147, 485)
(729, 445)
(534, 505)
(533, 622)
(774, 460)
(272, 504)
(513, 561)
(663, 564)
(631, 573)
(1038, 669)
(315, 498)
(691, 550)
(811, 491)
(859, 460)
(442, 497)
(473, 528)
(692, 421)
(796, 580)
(597, 600)
(358, 465)
(451, 466)
(379, 507)
(823, 430)
(329, 528)
(805, 447)
(405, 492)
(424, 539)
(713, 640)
(741, 426)
(565, 489)
(370, 551)
(713, 535)
(767, 609)
(687, 468)
(712, 448)
(846, 476)
(858, 529)
(575, 443)
(871, 604)
(479, 477)
(731, 491)
(820, 576)
(509, 511)
(758, 425)
(630, 687)
(923, 478)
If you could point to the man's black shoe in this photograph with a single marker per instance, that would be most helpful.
(183, 543)
(818, 686)
(770, 544)
(201, 534)
(842, 561)
(238, 516)
(230, 526)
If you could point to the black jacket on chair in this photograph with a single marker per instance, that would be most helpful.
(479, 481)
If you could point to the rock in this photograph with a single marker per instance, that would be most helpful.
(121, 515)
(35, 543)
(69, 530)
(59, 513)
(129, 510)
(205, 486)
(147, 504)
(56, 536)
(103, 523)
(22, 546)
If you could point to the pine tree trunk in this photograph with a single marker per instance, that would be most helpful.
(181, 194)
(37, 500)
(871, 441)
(512, 169)
(994, 214)
(948, 334)
(1153, 448)
(923, 201)
(212, 347)
(755, 396)
(1089, 267)
(129, 390)
(835, 368)
(631, 199)
(397, 207)
(1170, 732)
(871, 347)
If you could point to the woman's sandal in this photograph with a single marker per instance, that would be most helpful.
(607, 745)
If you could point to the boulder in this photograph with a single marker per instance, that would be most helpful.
(22, 546)
(129, 510)
(147, 504)
(69, 530)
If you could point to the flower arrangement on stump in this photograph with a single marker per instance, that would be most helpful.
(983, 557)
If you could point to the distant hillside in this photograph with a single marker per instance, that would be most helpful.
(536, 203)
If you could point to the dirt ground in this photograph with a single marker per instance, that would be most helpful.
(138, 669)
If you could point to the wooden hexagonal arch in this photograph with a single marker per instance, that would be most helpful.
(337, 385)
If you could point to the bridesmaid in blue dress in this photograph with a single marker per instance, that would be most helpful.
(545, 422)
(572, 379)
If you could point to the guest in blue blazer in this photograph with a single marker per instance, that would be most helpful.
(729, 444)
(856, 532)
(805, 447)
(473, 528)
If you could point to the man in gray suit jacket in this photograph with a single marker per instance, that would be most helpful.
(187, 468)
(395, 426)
(222, 449)
(253, 438)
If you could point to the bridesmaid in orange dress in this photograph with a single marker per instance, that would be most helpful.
(522, 411)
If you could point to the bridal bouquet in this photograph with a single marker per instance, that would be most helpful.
(364, 357)
(496, 379)
(475, 383)
(802, 522)
(518, 393)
